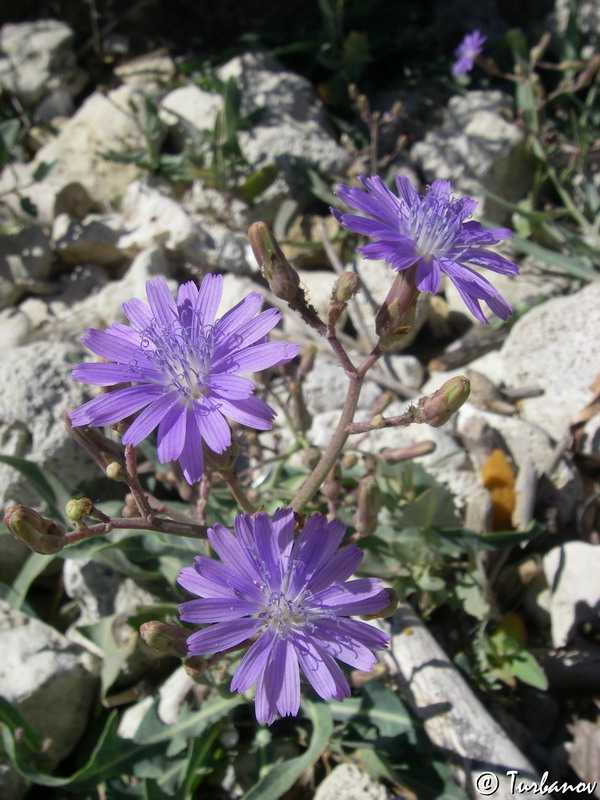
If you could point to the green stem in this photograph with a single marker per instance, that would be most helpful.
(238, 493)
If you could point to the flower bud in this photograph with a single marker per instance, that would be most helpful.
(388, 610)
(221, 462)
(282, 278)
(369, 503)
(396, 316)
(76, 510)
(345, 287)
(396, 454)
(116, 472)
(349, 460)
(437, 409)
(40, 534)
(167, 638)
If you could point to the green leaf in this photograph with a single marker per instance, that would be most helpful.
(378, 706)
(111, 757)
(117, 645)
(34, 566)
(569, 264)
(273, 784)
(38, 481)
(152, 791)
(152, 730)
(527, 669)
(256, 184)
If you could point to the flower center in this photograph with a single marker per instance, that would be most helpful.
(286, 613)
(434, 225)
(182, 352)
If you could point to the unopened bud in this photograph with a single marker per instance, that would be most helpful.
(349, 460)
(437, 409)
(167, 638)
(310, 457)
(221, 462)
(76, 510)
(116, 472)
(369, 503)
(332, 485)
(282, 278)
(40, 534)
(358, 677)
(345, 287)
(388, 610)
(396, 316)
(394, 455)
(196, 666)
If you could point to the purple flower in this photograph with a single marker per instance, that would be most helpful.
(431, 234)
(466, 51)
(290, 593)
(185, 366)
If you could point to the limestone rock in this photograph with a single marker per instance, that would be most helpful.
(39, 391)
(92, 240)
(25, 264)
(555, 346)
(38, 58)
(478, 145)
(571, 571)
(105, 122)
(49, 680)
(349, 782)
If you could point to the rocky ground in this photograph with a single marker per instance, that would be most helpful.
(159, 172)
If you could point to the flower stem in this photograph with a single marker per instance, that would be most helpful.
(238, 493)
(137, 523)
(340, 435)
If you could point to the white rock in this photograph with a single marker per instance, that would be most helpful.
(571, 571)
(25, 264)
(152, 219)
(189, 106)
(348, 782)
(58, 103)
(556, 347)
(149, 72)
(14, 328)
(478, 146)
(106, 306)
(38, 391)
(293, 121)
(100, 591)
(326, 384)
(105, 122)
(172, 695)
(49, 680)
(92, 240)
(38, 58)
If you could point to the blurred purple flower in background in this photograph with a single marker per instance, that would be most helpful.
(432, 234)
(466, 51)
(186, 366)
(294, 595)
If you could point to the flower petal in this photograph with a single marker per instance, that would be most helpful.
(191, 459)
(114, 406)
(212, 426)
(138, 313)
(146, 422)
(253, 663)
(323, 674)
(252, 412)
(216, 609)
(209, 297)
(336, 568)
(232, 553)
(161, 302)
(172, 433)
(222, 635)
